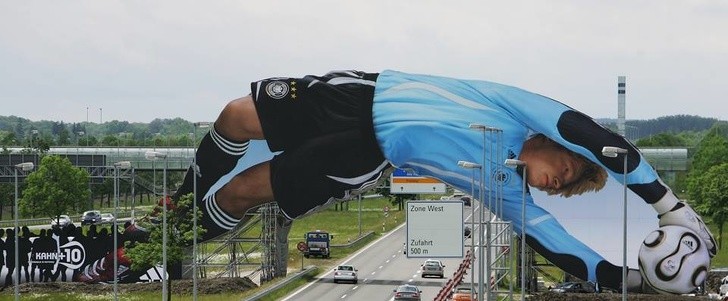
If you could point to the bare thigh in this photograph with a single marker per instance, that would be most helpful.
(248, 189)
(239, 120)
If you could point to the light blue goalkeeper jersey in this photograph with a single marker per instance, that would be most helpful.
(422, 123)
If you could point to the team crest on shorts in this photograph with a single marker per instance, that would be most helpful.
(277, 89)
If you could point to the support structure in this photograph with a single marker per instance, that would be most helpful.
(501, 244)
(257, 248)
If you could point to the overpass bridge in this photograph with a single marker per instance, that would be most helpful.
(99, 161)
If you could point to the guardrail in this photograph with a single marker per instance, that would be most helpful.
(456, 278)
(47, 220)
(308, 271)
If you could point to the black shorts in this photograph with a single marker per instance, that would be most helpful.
(294, 110)
(323, 126)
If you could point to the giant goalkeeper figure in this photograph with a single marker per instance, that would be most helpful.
(336, 135)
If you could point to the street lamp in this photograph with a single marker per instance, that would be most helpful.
(613, 152)
(472, 166)
(117, 166)
(154, 156)
(196, 173)
(25, 166)
(485, 129)
(516, 163)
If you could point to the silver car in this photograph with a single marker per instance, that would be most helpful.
(61, 221)
(433, 267)
(345, 273)
(107, 218)
(407, 292)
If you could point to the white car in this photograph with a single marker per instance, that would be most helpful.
(107, 218)
(433, 267)
(345, 273)
(61, 221)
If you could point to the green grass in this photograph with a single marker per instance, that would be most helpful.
(721, 259)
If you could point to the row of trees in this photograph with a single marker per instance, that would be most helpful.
(707, 180)
(19, 132)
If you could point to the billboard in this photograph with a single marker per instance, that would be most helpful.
(407, 182)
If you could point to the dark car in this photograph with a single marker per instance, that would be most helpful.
(466, 200)
(574, 287)
(407, 292)
(91, 217)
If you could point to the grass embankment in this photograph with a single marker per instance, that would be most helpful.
(342, 224)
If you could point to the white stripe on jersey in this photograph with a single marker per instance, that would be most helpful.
(440, 91)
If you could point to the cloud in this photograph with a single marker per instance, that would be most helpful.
(187, 59)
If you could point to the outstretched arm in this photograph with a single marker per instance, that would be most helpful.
(581, 134)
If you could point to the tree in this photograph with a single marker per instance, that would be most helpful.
(662, 140)
(9, 140)
(179, 238)
(712, 199)
(712, 151)
(7, 196)
(64, 138)
(395, 199)
(55, 188)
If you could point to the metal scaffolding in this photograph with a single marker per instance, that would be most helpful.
(256, 248)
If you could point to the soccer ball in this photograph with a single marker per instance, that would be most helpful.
(673, 260)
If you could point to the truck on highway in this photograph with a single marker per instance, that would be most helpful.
(318, 244)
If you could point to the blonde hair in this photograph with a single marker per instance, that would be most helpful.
(593, 177)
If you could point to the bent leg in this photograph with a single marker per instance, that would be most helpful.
(223, 210)
(225, 143)
(217, 155)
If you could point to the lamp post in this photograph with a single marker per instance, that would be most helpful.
(25, 166)
(485, 130)
(133, 196)
(154, 156)
(472, 166)
(613, 152)
(516, 163)
(117, 166)
(196, 171)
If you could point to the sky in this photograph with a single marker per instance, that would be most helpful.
(136, 61)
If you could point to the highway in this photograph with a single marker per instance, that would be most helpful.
(382, 266)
